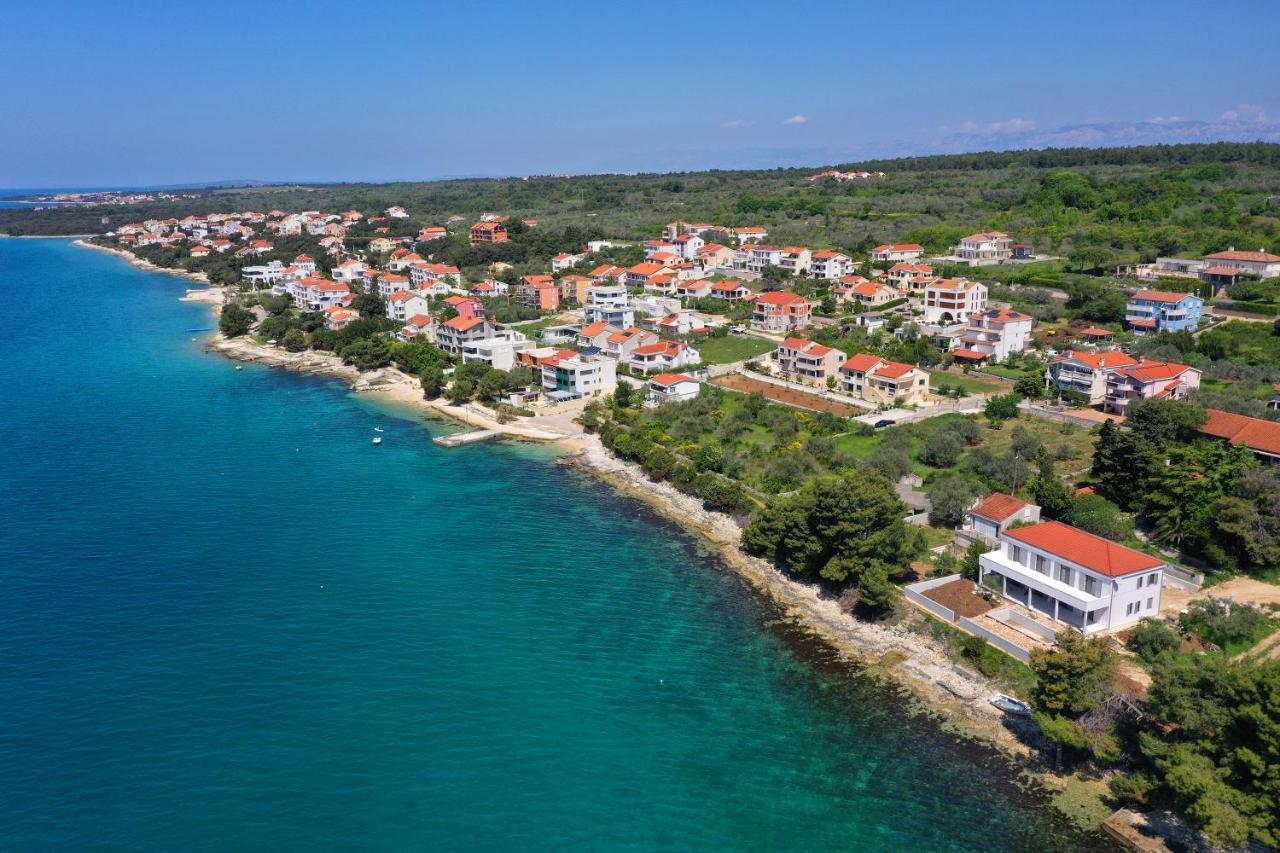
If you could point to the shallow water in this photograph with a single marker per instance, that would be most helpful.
(230, 622)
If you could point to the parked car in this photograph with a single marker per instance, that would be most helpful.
(885, 422)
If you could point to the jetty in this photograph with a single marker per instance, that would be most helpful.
(459, 439)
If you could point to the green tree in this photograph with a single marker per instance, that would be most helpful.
(294, 340)
(1152, 637)
(432, 380)
(1029, 386)
(235, 321)
(624, 395)
(1074, 676)
(941, 449)
(1003, 407)
(835, 527)
(950, 499)
(875, 591)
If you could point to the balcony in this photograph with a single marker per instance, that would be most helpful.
(997, 562)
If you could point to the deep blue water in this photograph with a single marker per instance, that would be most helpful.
(228, 622)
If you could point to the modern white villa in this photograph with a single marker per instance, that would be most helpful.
(1074, 577)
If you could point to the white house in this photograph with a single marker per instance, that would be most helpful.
(403, 304)
(1087, 373)
(350, 271)
(830, 265)
(891, 252)
(664, 356)
(671, 388)
(1073, 577)
(986, 247)
(608, 303)
(995, 334)
(991, 516)
(564, 261)
(453, 334)
(570, 377)
(689, 245)
(947, 300)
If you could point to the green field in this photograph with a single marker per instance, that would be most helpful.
(971, 384)
(731, 348)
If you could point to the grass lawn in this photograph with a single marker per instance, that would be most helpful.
(967, 383)
(732, 348)
(1004, 370)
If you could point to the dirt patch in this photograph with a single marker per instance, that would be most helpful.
(786, 396)
(960, 597)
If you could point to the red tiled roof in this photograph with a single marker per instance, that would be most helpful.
(1256, 257)
(668, 379)
(1100, 360)
(1160, 296)
(971, 355)
(1084, 549)
(1154, 371)
(1253, 433)
(781, 297)
(998, 506)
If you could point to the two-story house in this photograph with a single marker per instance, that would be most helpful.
(1074, 577)
(883, 382)
(985, 247)
(1148, 380)
(892, 252)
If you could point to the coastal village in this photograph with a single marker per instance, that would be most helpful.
(739, 374)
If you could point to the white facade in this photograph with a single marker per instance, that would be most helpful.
(1053, 580)
(580, 375)
(953, 299)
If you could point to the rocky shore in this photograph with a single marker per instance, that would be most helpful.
(952, 693)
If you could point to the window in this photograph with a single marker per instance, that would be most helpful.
(1128, 610)
(1015, 553)
(1141, 578)
(1150, 603)
(1064, 574)
(1042, 565)
(1090, 585)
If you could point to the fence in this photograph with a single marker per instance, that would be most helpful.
(1026, 623)
(996, 640)
(1184, 576)
(915, 596)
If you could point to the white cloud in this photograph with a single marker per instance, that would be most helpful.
(1245, 114)
(736, 123)
(1011, 125)
(796, 119)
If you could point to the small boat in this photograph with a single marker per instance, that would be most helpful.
(377, 429)
(377, 439)
(1010, 705)
(202, 329)
(239, 367)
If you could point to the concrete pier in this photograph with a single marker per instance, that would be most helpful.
(459, 439)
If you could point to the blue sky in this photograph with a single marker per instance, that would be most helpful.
(100, 94)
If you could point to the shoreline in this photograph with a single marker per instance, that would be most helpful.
(957, 698)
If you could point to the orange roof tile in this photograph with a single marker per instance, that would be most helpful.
(1084, 549)
(998, 506)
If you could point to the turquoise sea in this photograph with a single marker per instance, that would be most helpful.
(228, 622)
